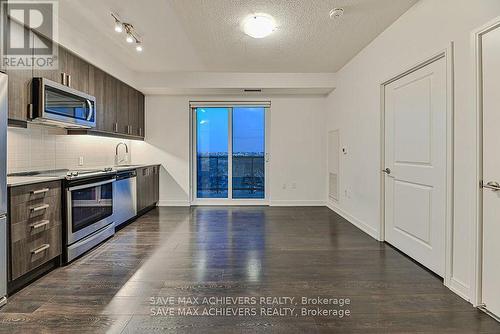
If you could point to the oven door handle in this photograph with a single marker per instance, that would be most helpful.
(90, 185)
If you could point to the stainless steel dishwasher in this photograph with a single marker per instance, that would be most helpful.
(124, 197)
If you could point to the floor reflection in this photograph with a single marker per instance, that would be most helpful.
(229, 239)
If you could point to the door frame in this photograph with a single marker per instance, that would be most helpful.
(193, 200)
(477, 232)
(447, 54)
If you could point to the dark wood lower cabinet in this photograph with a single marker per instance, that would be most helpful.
(148, 187)
(36, 250)
(35, 222)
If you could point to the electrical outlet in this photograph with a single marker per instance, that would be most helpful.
(80, 161)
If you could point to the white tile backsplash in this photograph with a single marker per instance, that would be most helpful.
(43, 148)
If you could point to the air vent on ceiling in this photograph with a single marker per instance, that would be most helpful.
(252, 90)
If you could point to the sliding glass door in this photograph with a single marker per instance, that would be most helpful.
(230, 153)
(248, 153)
(212, 152)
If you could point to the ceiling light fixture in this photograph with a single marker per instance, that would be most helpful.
(132, 35)
(118, 27)
(130, 38)
(259, 25)
(336, 13)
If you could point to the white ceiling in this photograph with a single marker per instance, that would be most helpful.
(205, 35)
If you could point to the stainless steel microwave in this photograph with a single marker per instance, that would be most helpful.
(60, 105)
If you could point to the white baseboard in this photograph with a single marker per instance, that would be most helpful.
(459, 288)
(353, 220)
(168, 202)
(296, 203)
(243, 202)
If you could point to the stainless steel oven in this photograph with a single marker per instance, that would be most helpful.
(89, 213)
(57, 104)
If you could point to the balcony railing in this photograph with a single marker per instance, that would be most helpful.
(248, 176)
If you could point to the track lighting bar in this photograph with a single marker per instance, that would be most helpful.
(131, 35)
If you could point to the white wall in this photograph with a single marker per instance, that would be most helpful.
(298, 147)
(354, 107)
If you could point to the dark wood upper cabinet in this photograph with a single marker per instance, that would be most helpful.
(97, 89)
(119, 107)
(133, 112)
(19, 94)
(54, 74)
(122, 109)
(76, 68)
(110, 104)
(142, 116)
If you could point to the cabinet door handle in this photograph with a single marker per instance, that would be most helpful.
(116, 127)
(40, 208)
(40, 249)
(63, 78)
(140, 131)
(68, 81)
(40, 191)
(40, 224)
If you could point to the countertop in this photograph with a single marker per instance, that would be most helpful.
(14, 181)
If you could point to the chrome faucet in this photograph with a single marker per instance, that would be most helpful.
(118, 161)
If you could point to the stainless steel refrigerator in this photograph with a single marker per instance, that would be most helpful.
(3, 188)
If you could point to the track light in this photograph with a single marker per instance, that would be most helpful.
(118, 24)
(131, 36)
(118, 27)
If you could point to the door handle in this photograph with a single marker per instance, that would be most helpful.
(91, 110)
(495, 186)
(387, 171)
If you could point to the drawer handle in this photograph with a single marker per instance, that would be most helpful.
(40, 191)
(40, 249)
(40, 224)
(41, 207)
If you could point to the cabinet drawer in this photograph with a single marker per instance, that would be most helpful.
(36, 191)
(29, 253)
(36, 210)
(32, 227)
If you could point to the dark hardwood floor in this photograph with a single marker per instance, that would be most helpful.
(249, 252)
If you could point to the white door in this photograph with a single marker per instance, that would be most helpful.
(491, 170)
(415, 158)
